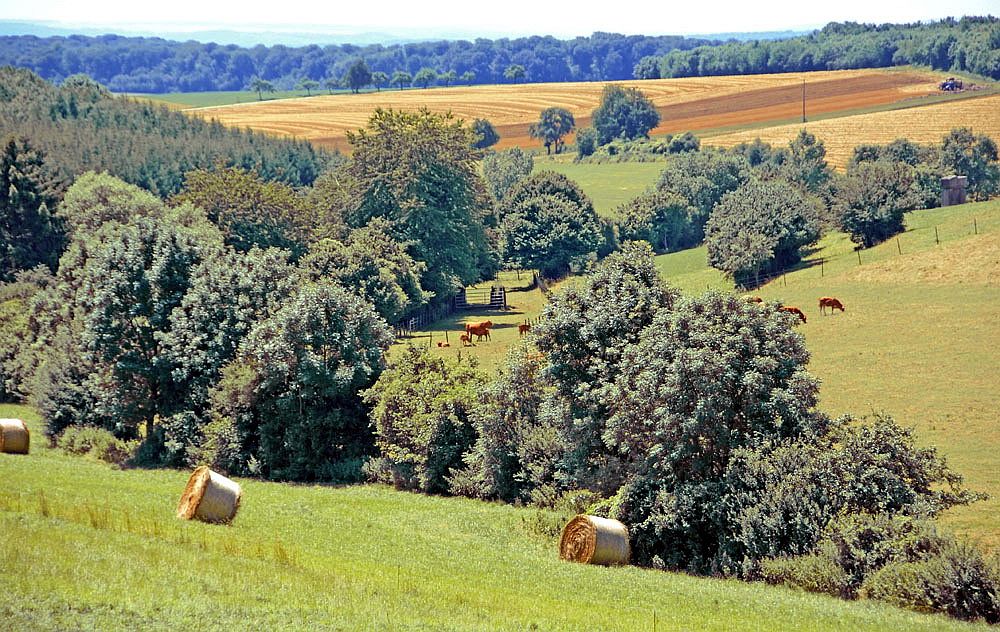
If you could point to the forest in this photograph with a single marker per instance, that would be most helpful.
(153, 65)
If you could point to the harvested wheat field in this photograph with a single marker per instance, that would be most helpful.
(927, 124)
(694, 103)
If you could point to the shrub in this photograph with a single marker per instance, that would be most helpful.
(684, 143)
(420, 411)
(958, 581)
(873, 198)
(586, 142)
(96, 443)
(811, 573)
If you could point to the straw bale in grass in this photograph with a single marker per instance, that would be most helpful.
(209, 497)
(594, 540)
(14, 436)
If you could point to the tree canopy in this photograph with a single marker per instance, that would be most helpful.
(623, 113)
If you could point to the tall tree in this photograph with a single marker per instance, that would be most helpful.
(358, 76)
(308, 85)
(402, 79)
(379, 79)
(29, 233)
(425, 77)
(553, 124)
(448, 77)
(624, 113)
(468, 77)
(289, 403)
(418, 170)
(260, 86)
(973, 156)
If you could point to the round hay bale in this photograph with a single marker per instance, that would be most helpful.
(14, 436)
(209, 497)
(594, 540)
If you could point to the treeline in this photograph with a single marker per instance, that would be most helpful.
(971, 44)
(139, 64)
(80, 126)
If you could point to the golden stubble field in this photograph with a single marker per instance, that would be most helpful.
(685, 104)
(927, 124)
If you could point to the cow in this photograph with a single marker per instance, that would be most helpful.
(523, 329)
(753, 299)
(466, 340)
(793, 310)
(485, 323)
(832, 303)
(443, 344)
(479, 331)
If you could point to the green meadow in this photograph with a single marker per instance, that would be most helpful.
(87, 546)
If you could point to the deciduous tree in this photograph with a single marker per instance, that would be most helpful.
(623, 113)
(553, 124)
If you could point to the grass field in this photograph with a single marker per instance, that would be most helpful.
(841, 135)
(210, 99)
(91, 547)
(685, 104)
(608, 185)
(918, 339)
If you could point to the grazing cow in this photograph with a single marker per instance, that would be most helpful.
(753, 299)
(466, 340)
(485, 323)
(832, 303)
(793, 310)
(523, 329)
(479, 331)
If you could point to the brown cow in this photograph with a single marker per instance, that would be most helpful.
(753, 299)
(523, 329)
(479, 331)
(485, 323)
(443, 344)
(793, 310)
(466, 340)
(832, 303)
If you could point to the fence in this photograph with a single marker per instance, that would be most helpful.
(918, 238)
(494, 297)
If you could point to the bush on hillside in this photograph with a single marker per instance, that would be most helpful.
(96, 443)
(421, 410)
(873, 198)
(665, 220)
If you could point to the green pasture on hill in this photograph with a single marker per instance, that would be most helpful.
(609, 185)
(87, 546)
(919, 338)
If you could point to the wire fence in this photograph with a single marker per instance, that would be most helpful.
(917, 239)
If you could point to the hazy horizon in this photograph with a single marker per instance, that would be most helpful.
(437, 18)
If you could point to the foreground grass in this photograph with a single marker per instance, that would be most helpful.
(91, 547)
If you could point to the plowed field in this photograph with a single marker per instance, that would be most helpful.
(693, 104)
(923, 125)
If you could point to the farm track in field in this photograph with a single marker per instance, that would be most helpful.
(696, 103)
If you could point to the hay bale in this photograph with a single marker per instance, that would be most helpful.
(209, 497)
(14, 436)
(594, 540)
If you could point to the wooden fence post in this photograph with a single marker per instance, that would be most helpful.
(898, 247)
(937, 239)
(859, 256)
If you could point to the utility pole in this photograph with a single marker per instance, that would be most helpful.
(803, 99)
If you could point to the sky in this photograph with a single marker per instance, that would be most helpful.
(513, 17)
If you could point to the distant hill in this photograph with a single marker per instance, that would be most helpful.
(159, 65)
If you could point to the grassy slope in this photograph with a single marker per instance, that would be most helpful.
(88, 546)
(609, 185)
(918, 339)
